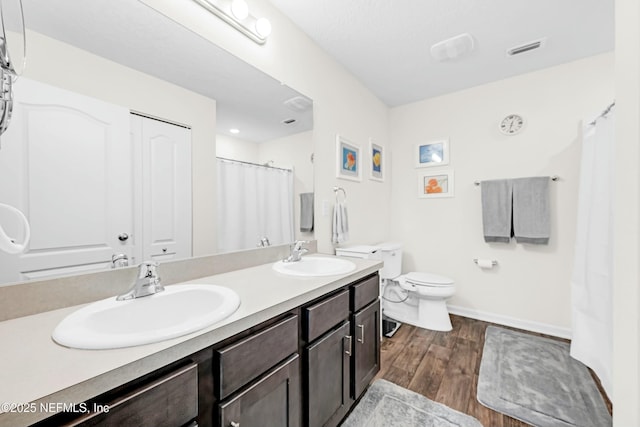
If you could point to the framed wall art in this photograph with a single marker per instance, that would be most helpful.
(349, 159)
(435, 184)
(434, 153)
(377, 161)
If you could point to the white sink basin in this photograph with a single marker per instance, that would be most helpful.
(310, 266)
(178, 310)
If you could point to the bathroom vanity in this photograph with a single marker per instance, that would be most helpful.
(298, 354)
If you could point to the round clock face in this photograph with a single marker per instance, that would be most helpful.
(511, 124)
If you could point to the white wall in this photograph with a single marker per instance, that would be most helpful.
(67, 67)
(531, 282)
(341, 105)
(626, 291)
(229, 147)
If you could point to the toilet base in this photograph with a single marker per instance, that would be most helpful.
(430, 314)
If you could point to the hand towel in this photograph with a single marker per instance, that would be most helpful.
(496, 210)
(340, 223)
(531, 213)
(306, 212)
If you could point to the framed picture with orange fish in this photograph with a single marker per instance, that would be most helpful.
(376, 162)
(435, 184)
(349, 165)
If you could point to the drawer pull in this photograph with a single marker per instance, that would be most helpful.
(348, 349)
(361, 339)
(234, 424)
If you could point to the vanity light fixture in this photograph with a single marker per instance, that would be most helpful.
(236, 13)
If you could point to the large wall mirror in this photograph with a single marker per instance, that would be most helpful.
(130, 82)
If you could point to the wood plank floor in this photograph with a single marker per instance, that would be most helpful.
(443, 366)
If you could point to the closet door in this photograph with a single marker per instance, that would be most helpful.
(165, 183)
(66, 162)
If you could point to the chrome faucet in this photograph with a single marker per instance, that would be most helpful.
(297, 251)
(264, 242)
(147, 283)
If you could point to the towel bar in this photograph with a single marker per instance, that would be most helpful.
(553, 178)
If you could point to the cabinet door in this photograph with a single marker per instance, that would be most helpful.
(273, 401)
(366, 347)
(329, 370)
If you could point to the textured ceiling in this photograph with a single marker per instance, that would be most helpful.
(385, 43)
(131, 33)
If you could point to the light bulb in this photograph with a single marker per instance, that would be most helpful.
(263, 27)
(239, 9)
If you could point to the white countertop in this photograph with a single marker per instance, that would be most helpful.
(36, 370)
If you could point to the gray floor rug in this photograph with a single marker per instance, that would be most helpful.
(534, 379)
(388, 405)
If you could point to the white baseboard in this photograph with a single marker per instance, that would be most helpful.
(527, 325)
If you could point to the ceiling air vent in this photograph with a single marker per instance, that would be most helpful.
(527, 47)
(288, 121)
(298, 103)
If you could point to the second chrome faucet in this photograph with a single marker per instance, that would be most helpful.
(147, 283)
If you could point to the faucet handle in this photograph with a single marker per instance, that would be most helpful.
(147, 269)
(297, 245)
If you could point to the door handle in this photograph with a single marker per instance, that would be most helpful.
(348, 349)
(123, 237)
(361, 339)
(234, 424)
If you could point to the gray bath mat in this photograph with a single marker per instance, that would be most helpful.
(388, 405)
(534, 379)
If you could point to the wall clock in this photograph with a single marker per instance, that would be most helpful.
(512, 124)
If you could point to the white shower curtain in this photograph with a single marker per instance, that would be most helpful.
(254, 202)
(591, 284)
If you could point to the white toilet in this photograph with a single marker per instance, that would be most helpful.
(415, 298)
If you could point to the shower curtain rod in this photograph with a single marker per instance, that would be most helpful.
(253, 164)
(603, 114)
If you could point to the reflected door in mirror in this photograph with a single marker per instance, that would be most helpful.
(66, 163)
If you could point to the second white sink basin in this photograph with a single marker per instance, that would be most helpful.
(178, 310)
(311, 266)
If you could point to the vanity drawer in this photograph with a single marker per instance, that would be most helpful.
(169, 401)
(324, 315)
(241, 362)
(365, 292)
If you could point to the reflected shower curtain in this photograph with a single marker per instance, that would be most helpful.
(592, 284)
(254, 202)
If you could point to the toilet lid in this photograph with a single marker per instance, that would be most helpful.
(428, 279)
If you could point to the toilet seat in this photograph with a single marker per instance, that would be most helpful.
(428, 279)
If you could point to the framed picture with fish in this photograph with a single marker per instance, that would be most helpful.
(376, 162)
(435, 184)
(349, 159)
(434, 153)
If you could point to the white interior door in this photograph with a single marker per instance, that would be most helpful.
(166, 188)
(66, 162)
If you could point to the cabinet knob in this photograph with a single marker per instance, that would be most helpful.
(361, 339)
(234, 424)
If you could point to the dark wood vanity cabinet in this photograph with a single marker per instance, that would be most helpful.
(342, 351)
(258, 378)
(306, 367)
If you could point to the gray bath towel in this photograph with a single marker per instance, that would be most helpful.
(306, 212)
(531, 214)
(496, 210)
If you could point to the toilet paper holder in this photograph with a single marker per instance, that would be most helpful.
(493, 261)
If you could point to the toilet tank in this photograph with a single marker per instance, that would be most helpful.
(391, 255)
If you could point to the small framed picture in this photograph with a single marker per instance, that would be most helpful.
(435, 184)
(349, 162)
(376, 161)
(434, 153)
